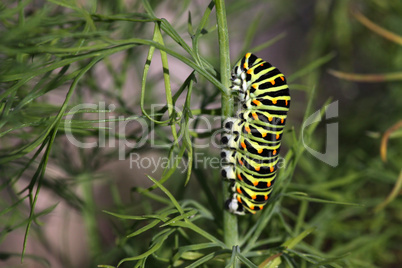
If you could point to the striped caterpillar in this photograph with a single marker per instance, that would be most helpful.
(252, 139)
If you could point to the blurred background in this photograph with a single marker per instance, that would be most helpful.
(332, 50)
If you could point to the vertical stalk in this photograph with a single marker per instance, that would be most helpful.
(229, 220)
(89, 216)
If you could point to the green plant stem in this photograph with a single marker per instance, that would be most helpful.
(89, 215)
(229, 220)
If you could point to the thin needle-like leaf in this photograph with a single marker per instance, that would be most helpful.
(367, 78)
(377, 29)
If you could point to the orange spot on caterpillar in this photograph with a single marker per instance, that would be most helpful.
(245, 66)
(257, 102)
(274, 101)
(266, 197)
(255, 116)
(239, 190)
(262, 64)
(259, 151)
(254, 86)
(257, 168)
(247, 129)
(270, 118)
(261, 207)
(272, 82)
(252, 207)
(263, 134)
(271, 169)
(286, 102)
(255, 183)
(240, 162)
(243, 145)
(239, 199)
(282, 121)
(250, 71)
(269, 184)
(254, 196)
(239, 177)
(283, 78)
(274, 152)
(277, 136)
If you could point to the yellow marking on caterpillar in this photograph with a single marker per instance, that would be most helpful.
(257, 102)
(263, 134)
(254, 196)
(245, 65)
(270, 118)
(257, 168)
(271, 169)
(277, 136)
(274, 101)
(259, 151)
